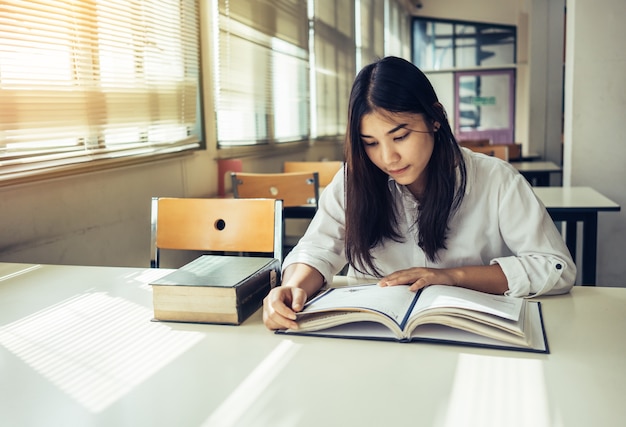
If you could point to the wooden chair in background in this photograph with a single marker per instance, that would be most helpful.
(510, 152)
(216, 225)
(499, 151)
(469, 143)
(298, 190)
(325, 169)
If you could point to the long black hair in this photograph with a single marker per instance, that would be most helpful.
(394, 85)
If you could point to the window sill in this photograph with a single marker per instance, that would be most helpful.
(68, 167)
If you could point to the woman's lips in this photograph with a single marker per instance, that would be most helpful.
(397, 171)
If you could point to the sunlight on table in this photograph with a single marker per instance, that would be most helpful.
(252, 388)
(95, 347)
(499, 391)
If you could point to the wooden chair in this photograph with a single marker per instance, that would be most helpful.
(216, 225)
(469, 143)
(515, 151)
(326, 169)
(296, 189)
(499, 151)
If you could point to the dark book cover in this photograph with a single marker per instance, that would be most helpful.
(249, 278)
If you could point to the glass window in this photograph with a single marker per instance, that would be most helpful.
(441, 45)
(261, 72)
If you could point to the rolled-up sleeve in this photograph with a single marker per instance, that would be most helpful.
(542, 264)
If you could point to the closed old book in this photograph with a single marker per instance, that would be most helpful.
(215, 289)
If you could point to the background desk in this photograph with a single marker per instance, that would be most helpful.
(578, 204)
(77, 348)
(537, 172)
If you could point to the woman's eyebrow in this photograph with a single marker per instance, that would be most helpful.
(400, 126)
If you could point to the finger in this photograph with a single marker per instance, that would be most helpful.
(274, 320)
(299, 299)
(399, 278)
(419, 284)
(279, 322)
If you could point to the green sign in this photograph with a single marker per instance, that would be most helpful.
(483, 100)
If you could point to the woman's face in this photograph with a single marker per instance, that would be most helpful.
(400, 145)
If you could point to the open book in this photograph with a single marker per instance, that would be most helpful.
(437, 313)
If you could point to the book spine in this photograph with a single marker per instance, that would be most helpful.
(251, 292)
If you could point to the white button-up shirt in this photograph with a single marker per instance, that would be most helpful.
(499, 221)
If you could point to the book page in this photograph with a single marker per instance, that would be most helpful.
(535, 338)
(393, 301)
(441, 296)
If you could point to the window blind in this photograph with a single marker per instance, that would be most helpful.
(261, 72)
(371, 36)
(94, 79)
(334, 64)
(397, 40)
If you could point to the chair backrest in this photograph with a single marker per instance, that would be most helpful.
(515, 150)
(469, 143)
(216, 225)
(499, 151)
(326, 169)
(294, 189)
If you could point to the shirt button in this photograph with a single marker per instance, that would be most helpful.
(558, 266)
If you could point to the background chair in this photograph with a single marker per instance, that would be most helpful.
(499, 151)
(326, 169)
(298, 190)
(252, 226)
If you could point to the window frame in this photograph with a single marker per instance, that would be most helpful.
(427, 69)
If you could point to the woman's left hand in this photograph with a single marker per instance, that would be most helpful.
(419, 277)
(484, 278)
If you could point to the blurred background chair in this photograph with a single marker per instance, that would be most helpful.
(499, 151)
(299, 192)
(326, 169)
(227, 226)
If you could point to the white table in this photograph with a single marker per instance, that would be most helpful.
(537, 172)
(77, 348)
(578, 204)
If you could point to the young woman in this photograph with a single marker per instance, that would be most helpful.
(413, 207)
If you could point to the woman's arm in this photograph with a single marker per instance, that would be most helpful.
(487, 278)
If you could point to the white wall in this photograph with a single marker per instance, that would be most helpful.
(595, 132)
(99, 218)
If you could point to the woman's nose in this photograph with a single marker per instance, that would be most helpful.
(389, 154)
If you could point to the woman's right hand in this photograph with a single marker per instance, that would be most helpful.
(281, 305)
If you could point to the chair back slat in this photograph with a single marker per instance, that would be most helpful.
(221, 225)
(325, 169)
(294, 189)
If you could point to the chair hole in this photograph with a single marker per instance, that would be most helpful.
(220, 224)
(273, 191)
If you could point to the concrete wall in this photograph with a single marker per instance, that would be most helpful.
(595, 135)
